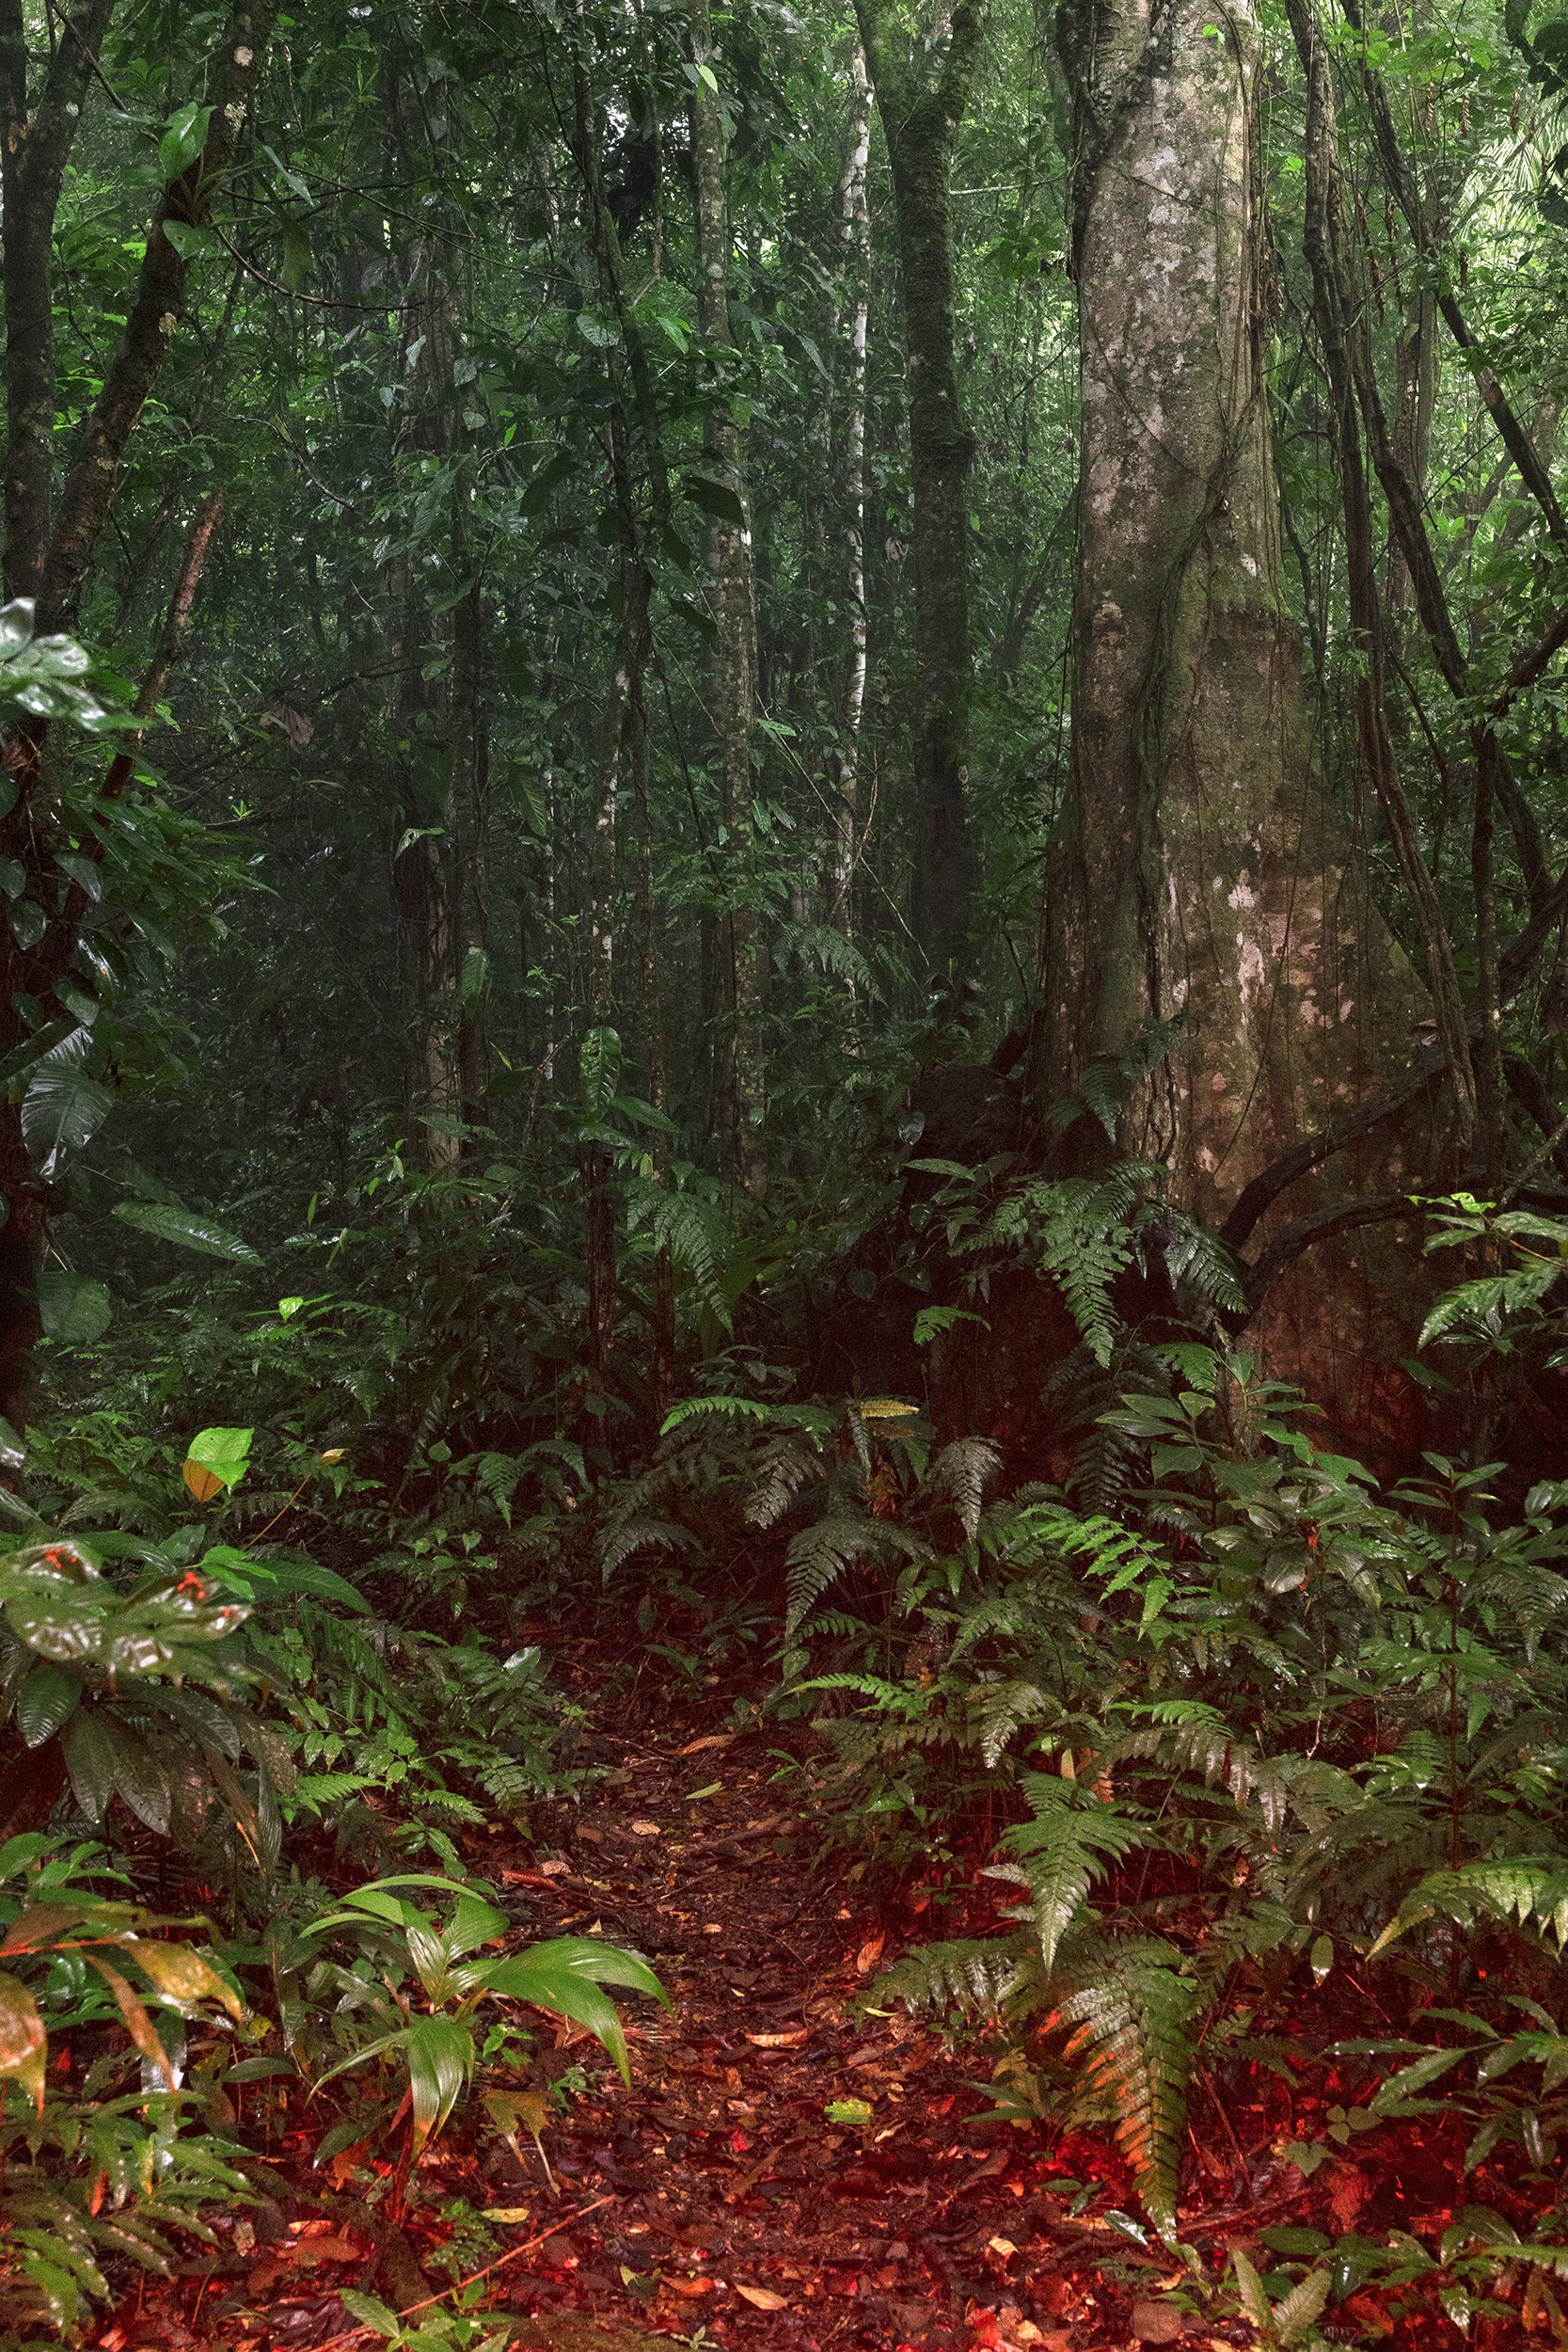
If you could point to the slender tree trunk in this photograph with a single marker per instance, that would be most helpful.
(33, 158)
(1347, 360)
(51, 544)
(855, 216)
(733, 674)
(922, 69)
(1212, 949)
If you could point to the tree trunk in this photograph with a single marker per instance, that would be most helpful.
(33, 158)
(855, 216)
(1214, 952)
(50, 545)
(733, 670)
(922, 74)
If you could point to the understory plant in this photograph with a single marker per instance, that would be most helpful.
(1271, 1765)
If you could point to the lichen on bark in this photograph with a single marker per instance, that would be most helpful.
(1211, 920)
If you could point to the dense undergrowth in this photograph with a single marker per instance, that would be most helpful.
(1242, 1776)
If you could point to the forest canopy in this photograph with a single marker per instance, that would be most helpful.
(785, 884)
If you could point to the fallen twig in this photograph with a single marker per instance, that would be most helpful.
(353, 2335)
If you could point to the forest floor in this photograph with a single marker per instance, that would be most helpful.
(737, 2195)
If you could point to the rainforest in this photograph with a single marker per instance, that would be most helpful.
(784, 1175)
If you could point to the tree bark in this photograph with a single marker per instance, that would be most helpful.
(37, 148)
(1213, 950)
(733, 670)
(922, 69)
(855, 218)
(157, 307)
(51, 547)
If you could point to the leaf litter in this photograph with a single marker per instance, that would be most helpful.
(793, 2168)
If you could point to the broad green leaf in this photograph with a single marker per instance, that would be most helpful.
(47, 1702)
(91, 1759)
(165, 1223)
(719, 499)
(565, 1992)
(63, 1108)
(184, 135)
(216, 1458)
(22, 1057)
(72, 1307)
(188, 241)
(440, 2057)
(604, 1963)
(140, 1780)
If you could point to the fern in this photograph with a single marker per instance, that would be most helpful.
(497, 1475)
(998, 1710)
(1133, 2016)
(980, 1979)
(962, 1472)
(638, 1532)
(788, 1463)
(832, 952)
(1529, 1891)
(729, 1407)
(820, 1555)
(701, 1240)
(1061, 1850)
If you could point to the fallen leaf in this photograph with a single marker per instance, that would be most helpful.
(691, 2288)
(1002, 2246)
(780, 2040)
(504, 2213)
(713, 1789)
(868, 1954)
(709, 1740)
(304, 2254)
(762, 2298)
(1157, 2323)
(646, 1829)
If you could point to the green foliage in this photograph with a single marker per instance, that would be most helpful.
(1297, 1728)
(433, 2057)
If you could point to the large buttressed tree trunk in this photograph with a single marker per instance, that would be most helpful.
(1205, 903)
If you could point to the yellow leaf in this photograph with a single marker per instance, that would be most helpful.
(762, 2298)
(884, 1408)
(505, 2213)
(202, 1482)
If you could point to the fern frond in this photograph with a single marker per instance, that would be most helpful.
(980, 1979)
(1481, 1309)
(962, 1472)
(1061, 1850)
(789, 1463)
(1132, 2017)
(497, 1475)
(997, 1709)
(1526, 1890)
(1198, 1262)
(819, 1554)
(637, 1533)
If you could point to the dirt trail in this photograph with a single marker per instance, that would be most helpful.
(786, 2173)
(739, 2206)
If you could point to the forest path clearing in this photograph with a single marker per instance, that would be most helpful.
(739, 2206)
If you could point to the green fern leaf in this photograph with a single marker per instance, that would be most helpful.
(1133, 2038)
